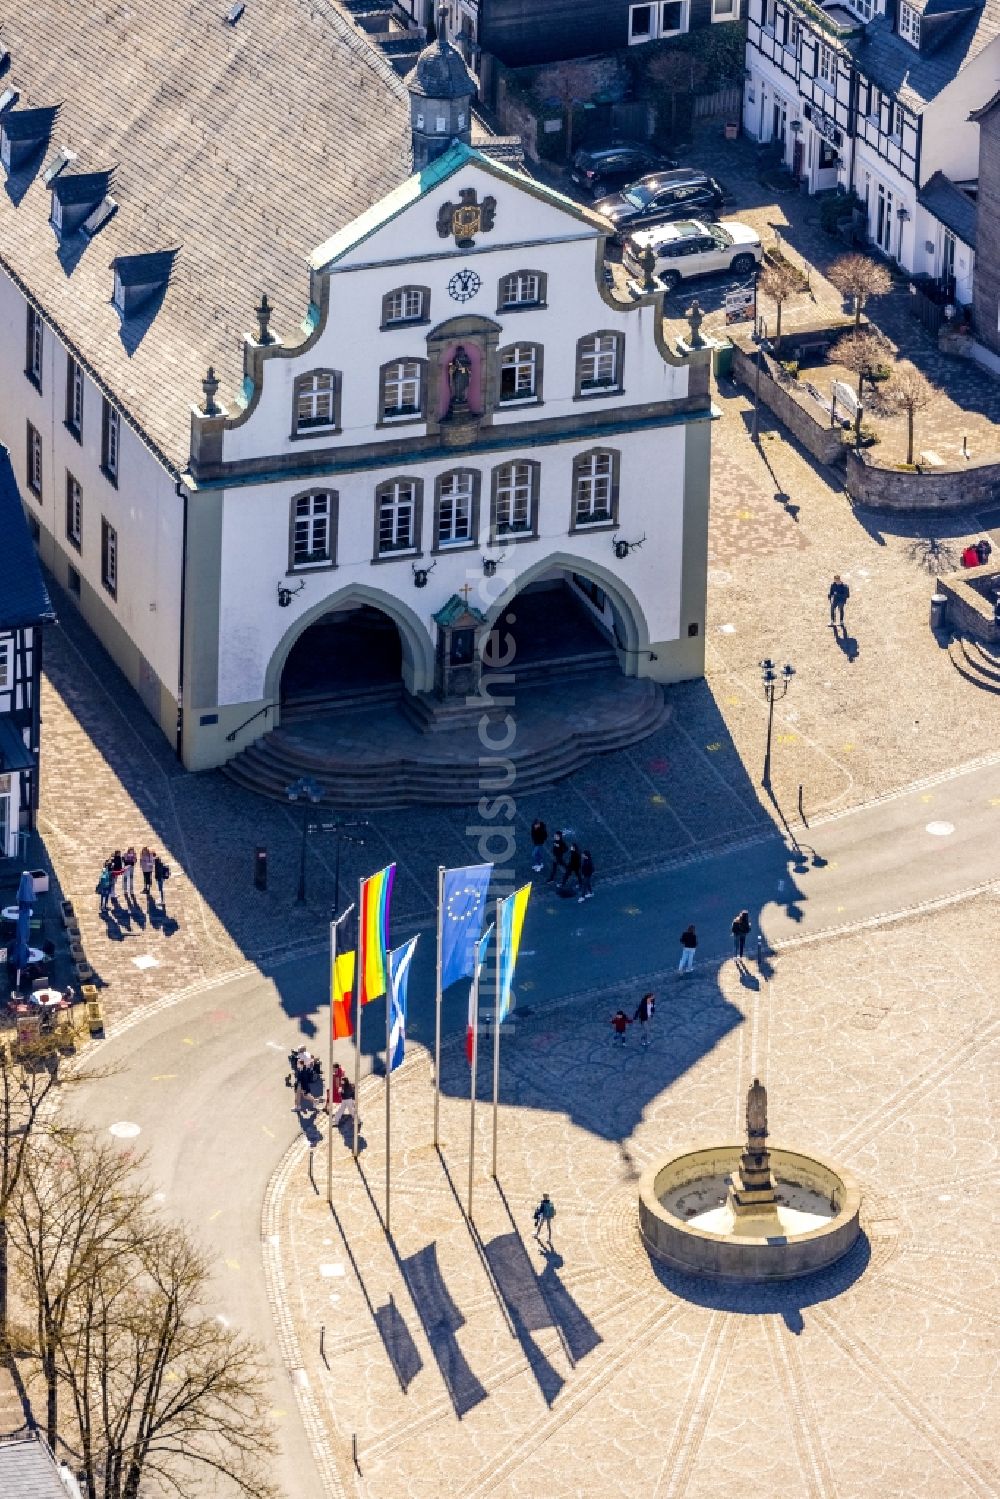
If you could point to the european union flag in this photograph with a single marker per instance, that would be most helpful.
(460, 919)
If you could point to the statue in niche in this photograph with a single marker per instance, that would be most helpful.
(757, 1109)
(459, 379)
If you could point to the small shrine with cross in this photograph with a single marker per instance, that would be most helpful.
(457, 659)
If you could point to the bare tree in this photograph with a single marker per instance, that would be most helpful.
(575, 81)
(860, 277)
(162, 1391)
(778, 283)
(861, 352)
(909, 391)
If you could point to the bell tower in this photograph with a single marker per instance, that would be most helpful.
(441, 92)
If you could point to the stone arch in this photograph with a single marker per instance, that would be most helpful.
(627, 606)
(417, 646)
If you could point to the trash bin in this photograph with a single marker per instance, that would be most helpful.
(722, 360)
(939, 606)
(260, 867)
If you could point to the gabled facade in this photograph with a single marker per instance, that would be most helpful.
(986, 284)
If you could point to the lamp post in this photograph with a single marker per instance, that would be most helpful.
(343, 832)
(773, 679)
(309, 793)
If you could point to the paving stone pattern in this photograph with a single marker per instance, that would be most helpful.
(471, 1361)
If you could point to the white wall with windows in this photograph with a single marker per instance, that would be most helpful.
(949, 139)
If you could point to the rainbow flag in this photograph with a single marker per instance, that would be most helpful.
(342, 996)
(373, 937)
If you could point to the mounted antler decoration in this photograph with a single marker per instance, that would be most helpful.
(286, 594)
(490, 564)
(623, 547)
(421, 574)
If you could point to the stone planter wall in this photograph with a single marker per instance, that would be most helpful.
(969, 612)
(824, 442)
(934, 489)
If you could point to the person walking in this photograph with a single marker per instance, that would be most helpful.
(838, 595)
(620, 1024)
(115, 867)
(539, 838)
(586, 876)
(558, 856)
(542, 1218)
(689, 944)
(146, 866)
(644, 1014)
(347, 1107)
(303, 1078)
(161, 873)
(741, 931)
(104, 889)
(572, 869)
(129, 860)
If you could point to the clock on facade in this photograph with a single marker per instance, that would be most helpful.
(464, 285)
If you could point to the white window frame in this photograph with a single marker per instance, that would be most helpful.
(312, 529)
(6, 651)
(456, 498)
(411, 305)
(111, 441)
(523, 360)
(36, 344)
(397, 501)
(644, 36)
(601, 357)
(316, 401)
(109, 556)
(681, 30)
(5, 150)
(76, 387)
(74, 509)
(526, 287)
(826, 65)
(592, 485)
(909, 24)
(732, 14)
(515, 500)
(398, 381)
(55, 218)
(35, 460)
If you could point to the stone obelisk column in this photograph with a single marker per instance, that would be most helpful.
(751, 1187)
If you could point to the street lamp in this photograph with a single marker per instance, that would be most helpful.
(346, 832)
(773, 679)
(310, 794)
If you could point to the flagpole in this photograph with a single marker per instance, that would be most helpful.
(475, 1056)
(437, 1016)
(388, 1075)
(359, 965)
(334, 930)
(496, 1034)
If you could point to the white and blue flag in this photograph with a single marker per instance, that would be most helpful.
(399, 974)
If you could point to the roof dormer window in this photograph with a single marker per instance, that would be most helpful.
(909, 25)
(139, 279)
(76, 197)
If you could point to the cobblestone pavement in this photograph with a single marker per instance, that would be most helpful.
(473, 1362)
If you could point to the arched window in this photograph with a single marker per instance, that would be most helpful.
(407, 304)
(397, 518)
(595, 489)
(317, 403)
(600, 360)
(514, 503)
(520, 374)
(313, 530)
(521, 289)
(401, 390)
(456, 509)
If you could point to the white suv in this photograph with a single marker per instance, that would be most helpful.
(691, 248)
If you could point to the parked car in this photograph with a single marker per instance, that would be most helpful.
(600, 169)
(661, 196)
(692, 248)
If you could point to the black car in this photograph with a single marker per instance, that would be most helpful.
(599, 170)
(660, 197)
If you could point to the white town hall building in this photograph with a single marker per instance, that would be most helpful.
(441, 403)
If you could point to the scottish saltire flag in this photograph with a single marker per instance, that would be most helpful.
(376, 893)
(341, 995)
(473, 1021)
(399, 977)
(463, 901)
(512, 912)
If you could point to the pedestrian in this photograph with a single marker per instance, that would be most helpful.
(620, 1024)
(161, 873)
(335, 1089)
(558, 856)
(303, 1077)
(838, 595)
(146, 865)
(644, 1015)
(543, 1216)
(689, 942)
(539, 837)
(586, 875)
(572, 869)
(347, 1108)
(104, 889)
(116, 865)
(129, 861)
(741, 931)
(983, 550)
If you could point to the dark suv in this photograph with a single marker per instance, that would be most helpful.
(601, 169)
(661, 196)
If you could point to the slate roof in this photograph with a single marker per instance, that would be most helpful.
(242, 146)
(24, 599)
(916, 78)
(950, 206)
(28, 1471)
(441, 73)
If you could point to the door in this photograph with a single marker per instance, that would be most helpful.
(948, 265)
(883, 219)
(779, 123)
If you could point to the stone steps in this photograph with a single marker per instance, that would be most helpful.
(307, 705)
(975, 662)
(434, 777)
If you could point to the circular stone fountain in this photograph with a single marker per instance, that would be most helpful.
(748, 1213)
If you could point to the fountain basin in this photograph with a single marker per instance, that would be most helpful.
(816, 1220)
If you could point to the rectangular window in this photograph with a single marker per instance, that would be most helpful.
(109, 557)
(73, 580)
(909, 25)
(524, 288)
(396, 517)
(74, 511)
(401, 390)
(405, 306)
(311, 530)
(34, 464)
(673, 17)
(599, 362)
(593, 499)
(316, 401)
(641, 20)
(455, 509)
(827, 65)
(5, 648)
(74, 397)
(725, 10)
(33, 355)
(110, 441)
(518, 373)
(513, 500)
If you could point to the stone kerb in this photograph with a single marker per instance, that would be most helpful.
(970, 612)
(824, 442)
(935, 489)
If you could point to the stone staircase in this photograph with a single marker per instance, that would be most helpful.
(376, 759)
(976, 662)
